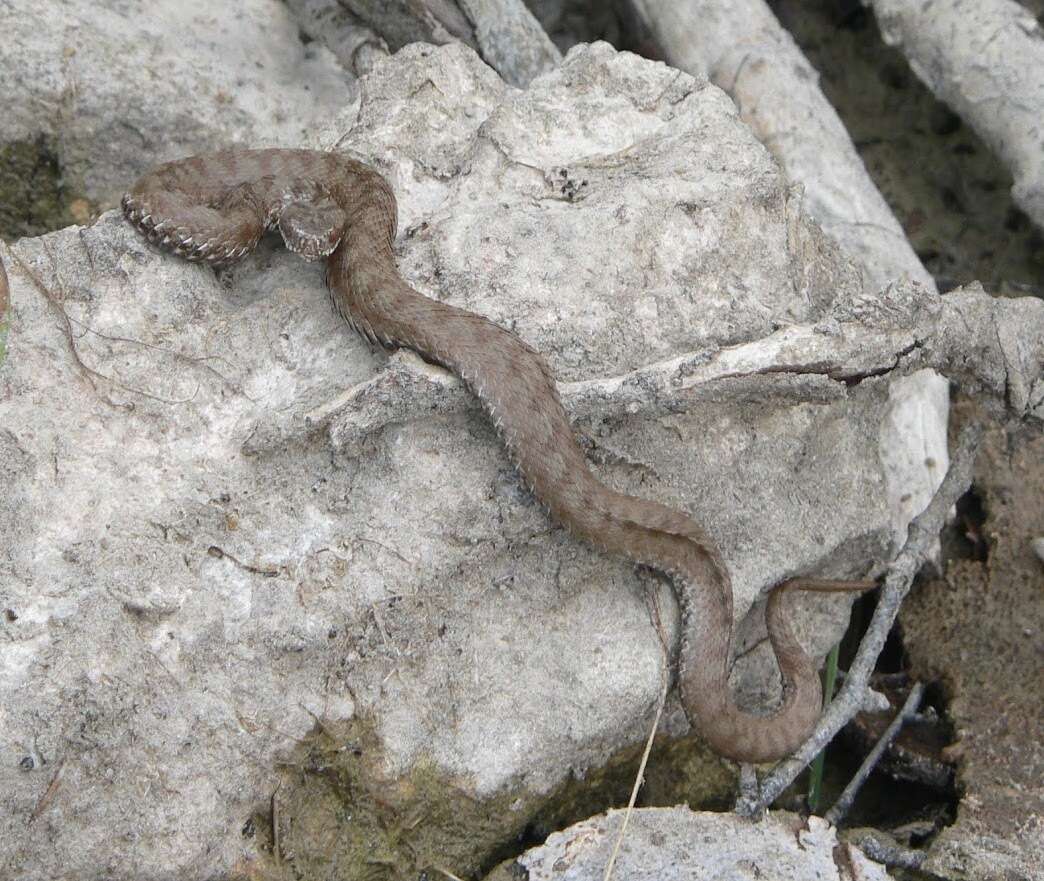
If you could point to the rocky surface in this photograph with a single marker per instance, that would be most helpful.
(203, 605)
(676, 844)
(743, 48)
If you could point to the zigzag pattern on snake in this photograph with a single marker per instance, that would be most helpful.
(214, 208)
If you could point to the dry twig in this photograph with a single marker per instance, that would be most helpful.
(640, 776)
(48, 795)
(891, 854)
(837, 813)
(638, 780)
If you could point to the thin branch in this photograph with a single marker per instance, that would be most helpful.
(748, 781)
(837, 813)
(48, 795)
(511, 40)
(794, 363)
(890, 854)
(921, 536)
(638, 780)
(640, 776)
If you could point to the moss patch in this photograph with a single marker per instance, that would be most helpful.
(340, 816)
(35, 196)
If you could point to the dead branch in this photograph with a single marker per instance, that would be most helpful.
(837, 813)
(504, 32)
(890, 854)
(986, 60)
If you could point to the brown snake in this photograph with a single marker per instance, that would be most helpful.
(214, 208)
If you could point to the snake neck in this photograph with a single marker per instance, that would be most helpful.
(517, 388)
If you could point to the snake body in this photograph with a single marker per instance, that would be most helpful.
(215, 207)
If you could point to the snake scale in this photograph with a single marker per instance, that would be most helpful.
(215, 207)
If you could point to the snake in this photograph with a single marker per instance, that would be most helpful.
(214, 208)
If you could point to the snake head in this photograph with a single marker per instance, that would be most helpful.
(312, 229)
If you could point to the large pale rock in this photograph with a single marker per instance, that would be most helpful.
(220, 526)
(676, 844)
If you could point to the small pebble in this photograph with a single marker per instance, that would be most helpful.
(1038, 547)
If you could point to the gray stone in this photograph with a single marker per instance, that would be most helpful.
(676, 844)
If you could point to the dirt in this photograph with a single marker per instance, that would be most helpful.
(34, 197)
(979, 629)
